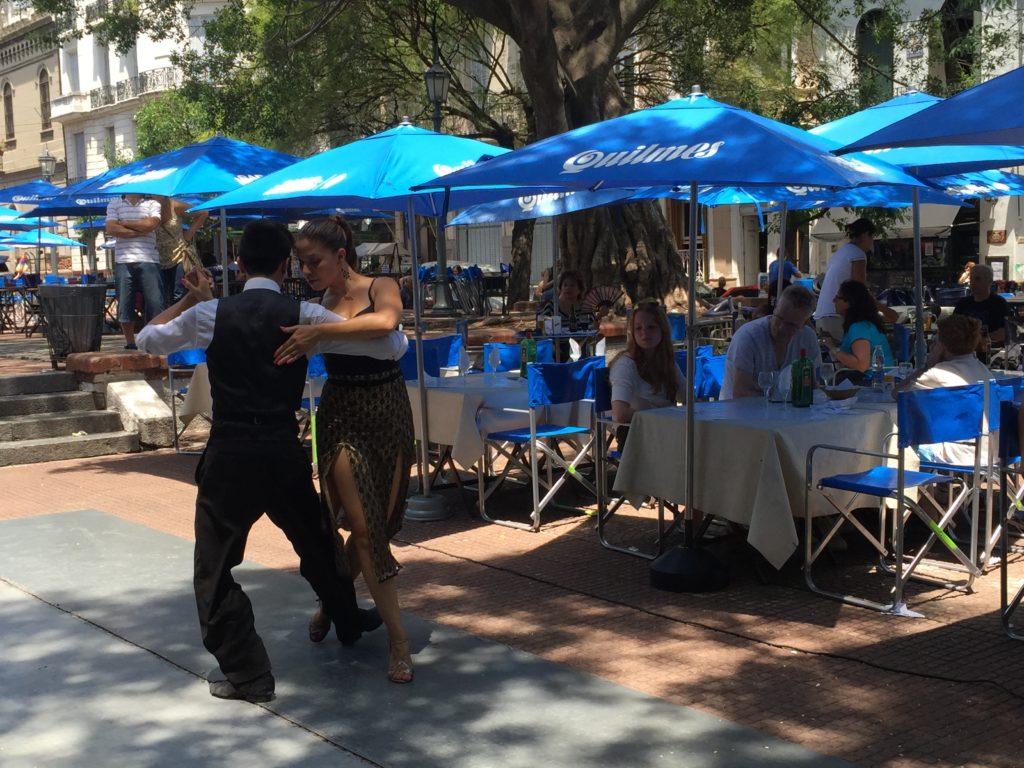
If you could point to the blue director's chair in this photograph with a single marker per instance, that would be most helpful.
(923, 417)
(548, 384)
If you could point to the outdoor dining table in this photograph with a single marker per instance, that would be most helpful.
(751, 460)
(462, 410)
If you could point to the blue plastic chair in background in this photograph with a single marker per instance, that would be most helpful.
(180, 366)
(431, 366)
(710, 376)
(677, 325)
(509, 354)
(548, 384)
(705, 350)
(901, 343)
(923, 417)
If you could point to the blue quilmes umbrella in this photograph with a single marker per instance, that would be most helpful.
(29, 193)
(12, 219)
(35, 239)
(989, 113)
(377, 172)
(924, 161)
(693, 139)
(209, 167)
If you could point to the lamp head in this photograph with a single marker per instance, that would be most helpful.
(47, 164)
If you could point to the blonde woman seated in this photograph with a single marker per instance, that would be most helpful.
(645, 375)
(952, 362)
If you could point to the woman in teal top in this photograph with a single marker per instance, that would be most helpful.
(862, 328)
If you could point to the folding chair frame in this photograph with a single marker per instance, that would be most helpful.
(901, 571)
(516, 458)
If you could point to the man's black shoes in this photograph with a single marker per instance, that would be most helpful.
(255, 691)
(368, 620)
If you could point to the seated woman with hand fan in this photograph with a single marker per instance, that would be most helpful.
(567, 304)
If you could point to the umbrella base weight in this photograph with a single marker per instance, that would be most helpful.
(688, 570)
(427, 508)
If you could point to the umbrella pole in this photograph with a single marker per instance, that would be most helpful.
(691, 365)
(224, 252)
(422, 506)
(686, 568)
(554, 261)
(920, 348)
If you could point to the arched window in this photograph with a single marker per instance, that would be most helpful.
(44, 99)
(875, 58)
(8, 112)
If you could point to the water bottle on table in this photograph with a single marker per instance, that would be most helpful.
(878, 369)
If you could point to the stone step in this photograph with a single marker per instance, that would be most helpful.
(38, 383)
(60, 448)
(39, 425)
(20, 405)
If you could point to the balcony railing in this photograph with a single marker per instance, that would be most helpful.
(150, 81)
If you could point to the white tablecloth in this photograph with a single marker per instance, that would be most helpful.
(198, 398)
(751, 460)
(462, 410)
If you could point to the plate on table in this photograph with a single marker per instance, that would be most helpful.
(841, 393)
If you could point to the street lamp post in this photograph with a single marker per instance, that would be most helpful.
(437, 81)
(47, 169)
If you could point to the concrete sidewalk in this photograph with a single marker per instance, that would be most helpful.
(103, 667)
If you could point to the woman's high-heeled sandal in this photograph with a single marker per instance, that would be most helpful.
(400, 670)
(319, 623)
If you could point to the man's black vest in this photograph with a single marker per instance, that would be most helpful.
(245, 383)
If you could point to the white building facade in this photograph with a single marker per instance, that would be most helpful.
(101, 90)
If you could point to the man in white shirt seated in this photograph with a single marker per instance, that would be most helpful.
(770, 344)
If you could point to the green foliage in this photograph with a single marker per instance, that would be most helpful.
(116, 156)
(118, 23)
(170, 121)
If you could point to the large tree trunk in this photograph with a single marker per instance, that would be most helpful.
(522, 250)
(568, 51)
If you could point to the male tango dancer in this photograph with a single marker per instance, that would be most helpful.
(254, 462)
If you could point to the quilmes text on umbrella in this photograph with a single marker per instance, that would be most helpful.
(529, 202)
(653, 153)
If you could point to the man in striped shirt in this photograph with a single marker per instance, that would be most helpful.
(133, 220)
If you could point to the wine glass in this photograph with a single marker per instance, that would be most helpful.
(765, 380)
(494, 360)
(826, 373)
(905, 369)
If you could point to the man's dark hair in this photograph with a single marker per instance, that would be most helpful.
(859, 227)
(264, 245)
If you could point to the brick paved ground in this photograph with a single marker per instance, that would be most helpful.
(875, 690)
